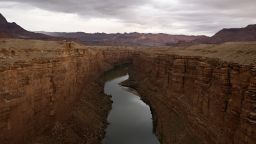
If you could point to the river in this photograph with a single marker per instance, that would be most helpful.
(130, 119)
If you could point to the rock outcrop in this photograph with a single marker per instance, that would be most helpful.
(198, 96)
(50, 91)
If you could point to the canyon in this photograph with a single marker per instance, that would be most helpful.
(52, 92)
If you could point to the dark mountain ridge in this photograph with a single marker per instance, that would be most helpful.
(144, 39)
(13, 30)
(247, 33)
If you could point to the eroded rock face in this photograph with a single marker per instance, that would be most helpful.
(50, 92)
(197, 100)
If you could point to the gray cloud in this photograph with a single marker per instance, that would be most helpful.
(85, 7)
(208, 16)
(192, 16)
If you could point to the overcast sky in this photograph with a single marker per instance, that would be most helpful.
(193, 17)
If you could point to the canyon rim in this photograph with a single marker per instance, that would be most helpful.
(77, 73)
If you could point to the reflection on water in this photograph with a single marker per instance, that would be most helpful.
(130, 118)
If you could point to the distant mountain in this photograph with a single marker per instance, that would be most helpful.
(143, 39)
(12, 30)
(231, 35)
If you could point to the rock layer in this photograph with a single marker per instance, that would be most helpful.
(50, 91)
(198, 100)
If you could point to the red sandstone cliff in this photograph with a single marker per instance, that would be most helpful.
(199, 96)
(50, 92)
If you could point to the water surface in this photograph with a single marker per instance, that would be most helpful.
(130, 120)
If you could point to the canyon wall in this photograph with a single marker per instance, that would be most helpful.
(199, 99)
(51, 93)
